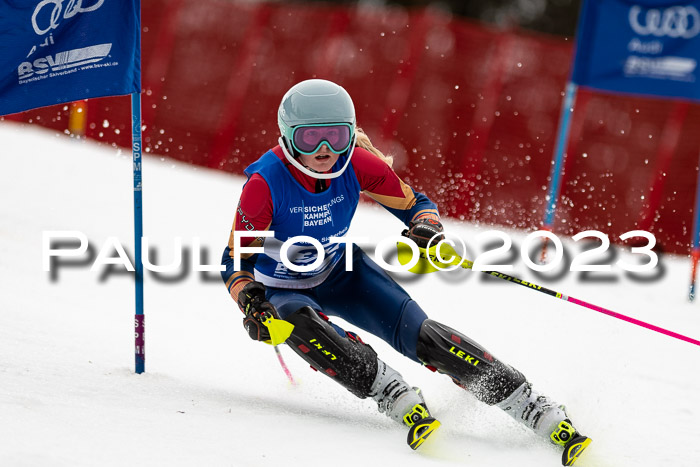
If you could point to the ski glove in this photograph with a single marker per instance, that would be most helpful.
(422, 230)
(255, 306)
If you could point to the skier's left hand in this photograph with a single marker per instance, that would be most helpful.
(422, 230)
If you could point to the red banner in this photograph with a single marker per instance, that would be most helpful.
(469, 112)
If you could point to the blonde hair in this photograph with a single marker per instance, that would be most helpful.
(362, 140)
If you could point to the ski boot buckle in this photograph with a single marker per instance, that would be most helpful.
(563, 433)
(419, 412)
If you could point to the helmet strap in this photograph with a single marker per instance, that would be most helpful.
(308, 171)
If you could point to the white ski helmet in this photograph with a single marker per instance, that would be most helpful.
(312, 113)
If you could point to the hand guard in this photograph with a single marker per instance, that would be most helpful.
(252, 301)
(422, 230)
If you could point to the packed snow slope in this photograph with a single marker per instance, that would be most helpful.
(211, 396)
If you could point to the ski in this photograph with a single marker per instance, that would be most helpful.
(574, 448)
(420, 431)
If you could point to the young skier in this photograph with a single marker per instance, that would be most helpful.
(309, 185)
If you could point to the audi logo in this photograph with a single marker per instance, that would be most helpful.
(675, 21)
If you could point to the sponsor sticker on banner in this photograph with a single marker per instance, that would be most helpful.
(56, 51)
(647, 47)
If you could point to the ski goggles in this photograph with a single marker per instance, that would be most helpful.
(307, 139)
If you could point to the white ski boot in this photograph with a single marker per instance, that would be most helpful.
(546, 418)
(403, 403)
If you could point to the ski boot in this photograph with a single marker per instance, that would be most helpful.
(547, 419)
(402, 403)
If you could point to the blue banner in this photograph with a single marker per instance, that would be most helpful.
(644, 47)
(56, 51)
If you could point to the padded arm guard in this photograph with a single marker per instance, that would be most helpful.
(347, 360)
(469, 364)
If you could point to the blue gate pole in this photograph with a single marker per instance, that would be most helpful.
(695, 242)
(139, 324)
(567, 110)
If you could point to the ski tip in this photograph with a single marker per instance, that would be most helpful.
(420, 431)
(574, 448)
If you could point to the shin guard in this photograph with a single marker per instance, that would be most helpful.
(347, 360)
(469, 364)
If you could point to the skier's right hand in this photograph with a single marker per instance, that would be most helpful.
(255, 306)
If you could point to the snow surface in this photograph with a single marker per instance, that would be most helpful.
(211, 396)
